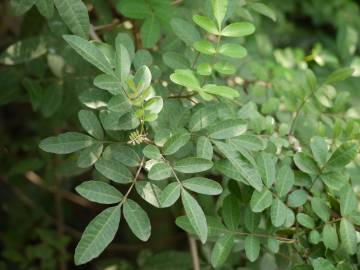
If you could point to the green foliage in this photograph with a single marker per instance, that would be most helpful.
(189, 106)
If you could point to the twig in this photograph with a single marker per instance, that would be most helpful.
(134, 180)
(176, 2)
(194, 252)
(60, 220)
(93, 34)
(279, 238)
(106, 26)
(298, 111)
(38, 181)
(183, 96)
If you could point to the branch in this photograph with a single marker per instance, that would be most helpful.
(38, 181)
(134, 180)
(194, 252)
(93, 34)
(106, 26)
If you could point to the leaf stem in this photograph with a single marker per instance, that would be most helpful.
(134, 181)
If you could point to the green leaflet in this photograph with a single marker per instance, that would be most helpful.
(277, 212)
(160, 171)
(231, 212)
(66, 143)
(322, 264)
(94, 98)
(100, 192)
(185, 31)
(113, 170)
(192, 165)
(238, 29)
(205, 47)
(149, 192)
(305, 220)
(120, 104)
(348, 236)
(75, 16)
(225, 67)
(305, 163)
(266, 163)
(206, 23)
(220, 90)
(109, 83)
(251, 220)
(152, 152)
(137, 219)
(330, 237)
(122, 153)
(219, 9)
(204, 148)
(263, 9)
(260, 200)
(348, 200)
(201, 119)
(339, 75)
(297, 198)
(204, 69)
(97, 235)
(185, 77)
(250, 142)
(45, 7)
(226, 129)
(233, 50)
(314, 237)
(195, 215)
(134, 9)
(319, 149)
(215, 227)
(124, 53)
(175, 60)
(142, 78)
(321, 209)
(227, 169)
(334, 180)
(90, 155)
(203, 185)
(245, 169)
(175, 142)
(170, 194)
(342, 156)
(150, 32)
(89, 52)
(252, 247)
(222, 249)
(142, 58)
(19, 7)
(91, 124)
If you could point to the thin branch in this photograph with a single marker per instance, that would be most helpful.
(176, 2)
(38, 181)
(194, 252)
(60, 220)
(183, 96)
(279, 238)
(298, 111)
(106, 26)
(134, 180)
(93, 34)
